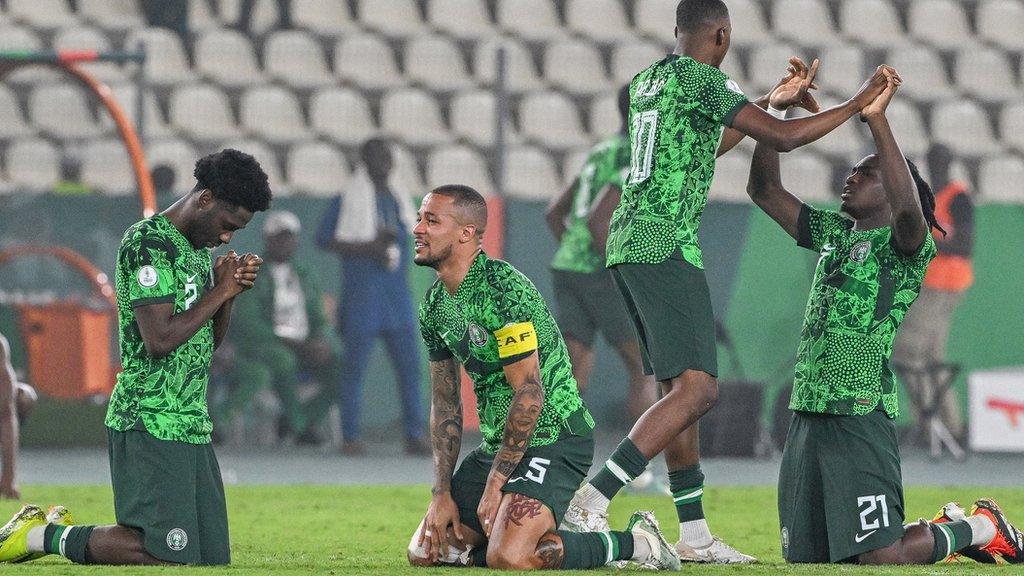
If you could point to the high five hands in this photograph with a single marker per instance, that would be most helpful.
(794, 89)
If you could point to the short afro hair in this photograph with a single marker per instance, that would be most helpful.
(234, 177)
(692, 14)
(467, 199)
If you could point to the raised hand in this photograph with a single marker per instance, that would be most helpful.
(794, 88)
(881, 102)
(874, 85)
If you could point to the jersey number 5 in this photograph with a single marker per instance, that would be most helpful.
(643, 134)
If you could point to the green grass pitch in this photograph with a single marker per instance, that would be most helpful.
(342, 530)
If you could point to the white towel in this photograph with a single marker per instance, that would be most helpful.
(358, 217)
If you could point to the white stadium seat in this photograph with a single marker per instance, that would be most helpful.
(731, 174)
(406, 172)
(23, 38)
(520, 70)
(1011, 125)
(227, 57)
(842, 69)
(116, 15)
(203, 113)
(366, 61)
(179, 156)
(414, 117)
(12, 121)
(532, 20)
(329, 18)
(986, 74)
(316, 169)
(472, 118)
(599, 20)
(201, 17)
(629, 59)
(964, 127)
(908, 127)
(436, 63)
(806, 22)
(845, 142)
(749, 26)
(273, 114)
(575, 66)
(265, 15)
(166, 64)
(768, 65)
(88, 38)
(605, 118)
(551, 119)
(1002, 23)
(341, 114)
(941, 23)
(923, 73)
(107, 168)
(63, 111)
(398, 18)
(808, 177)
(296, 58)
(126, 96)
(530, 174)
(874, 23)
(1000, 180)
(42, 14)
(573, 164)
(458, 165)
(462, 19)
(655, 18)
(33, 163)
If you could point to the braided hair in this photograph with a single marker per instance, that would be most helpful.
(924, 193)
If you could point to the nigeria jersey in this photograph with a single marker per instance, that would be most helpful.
(163, 396)
(498, 317)
(678, 110)
(862, 290)
(606, 165)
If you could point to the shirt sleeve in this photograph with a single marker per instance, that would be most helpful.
(436, 349)
(719, 98)
(516, 303)
(814, 227)
(149, 259)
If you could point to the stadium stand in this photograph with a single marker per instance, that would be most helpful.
(423, 71)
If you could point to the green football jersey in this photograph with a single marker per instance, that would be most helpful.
(607, 164)
(862, 290)
(678, 110)
(163, 396)
(495, 318)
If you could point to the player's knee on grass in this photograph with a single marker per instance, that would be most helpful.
(505, 558)
(417, 553)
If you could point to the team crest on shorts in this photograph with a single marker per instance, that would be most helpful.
(477, 335)
(859, 252)
(177, 539)
(785, 540)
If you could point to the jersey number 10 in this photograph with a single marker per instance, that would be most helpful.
(643, 134)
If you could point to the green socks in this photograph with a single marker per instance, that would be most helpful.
(625, 464)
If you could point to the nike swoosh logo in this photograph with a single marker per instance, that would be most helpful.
(858, 538)
(445, 335)
(516, 479)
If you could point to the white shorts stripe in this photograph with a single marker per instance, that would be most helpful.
(608, 546)
(63, 537)
(949, 542)
(618, 472)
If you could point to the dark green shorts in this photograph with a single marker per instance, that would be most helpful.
(590, 303)
(171, 492)
(551, 474)
(670, 306)
(840, 487)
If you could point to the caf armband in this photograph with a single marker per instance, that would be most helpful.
(516, 339)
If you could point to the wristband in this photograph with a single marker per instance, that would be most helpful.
(780, 114)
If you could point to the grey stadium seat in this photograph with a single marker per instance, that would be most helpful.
(437, 64)
(33, 164)
(366, 61)
(106, 167)
(273, 113)
(462, 19)
(414, 117)
(203, 113)
(551, 119)
(296, 58)
(461, 165)
(228, 58)
(316, 169)
(530, 174)
(533, 20)
(342, 115)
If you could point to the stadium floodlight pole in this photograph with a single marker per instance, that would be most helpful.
(67, 61)
(500, 113)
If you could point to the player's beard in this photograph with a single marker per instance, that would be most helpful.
(433, 260)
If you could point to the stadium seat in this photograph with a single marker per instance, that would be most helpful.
(407, 172)
(203, 113)
(458, 165)
(398, 18)
(462, 19)
(316, 169)
(115, 15)
(629, 59)
(531, 20)
(62, 111)
(530, 174)
(874, 23)
(342, 115)
(177, 155)
(905, 120)
(731, 174)
(33, 163)
(12, 121)
(805, 22)
(437, 64)
(846, 142)
(768, 64)
(551, 119)
(227, 57)
(107, 168)
(366, 61)
(155, 125)
(924, 74)
(964, 127)
(749, 26)
(296, 58)
(1011, 125)
(985, 74)
(168, 65)
(267, 159)
(1000, 180)
(572, 165)
(273, 114)
(330, 18)
(87, 38)
(265, 15)
(605, 119)
(842, 69)
(733, 68)
(412, 116)
(521, 72)
(808, 176)
(1002, 23)
(599, 20)
(23, 38)
(201, 16)
(655, 18)
(42, 14)
(941, 23)
(472, 118)
(576, 67)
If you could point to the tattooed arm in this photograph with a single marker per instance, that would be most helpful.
(527, 400)
(446, 440)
